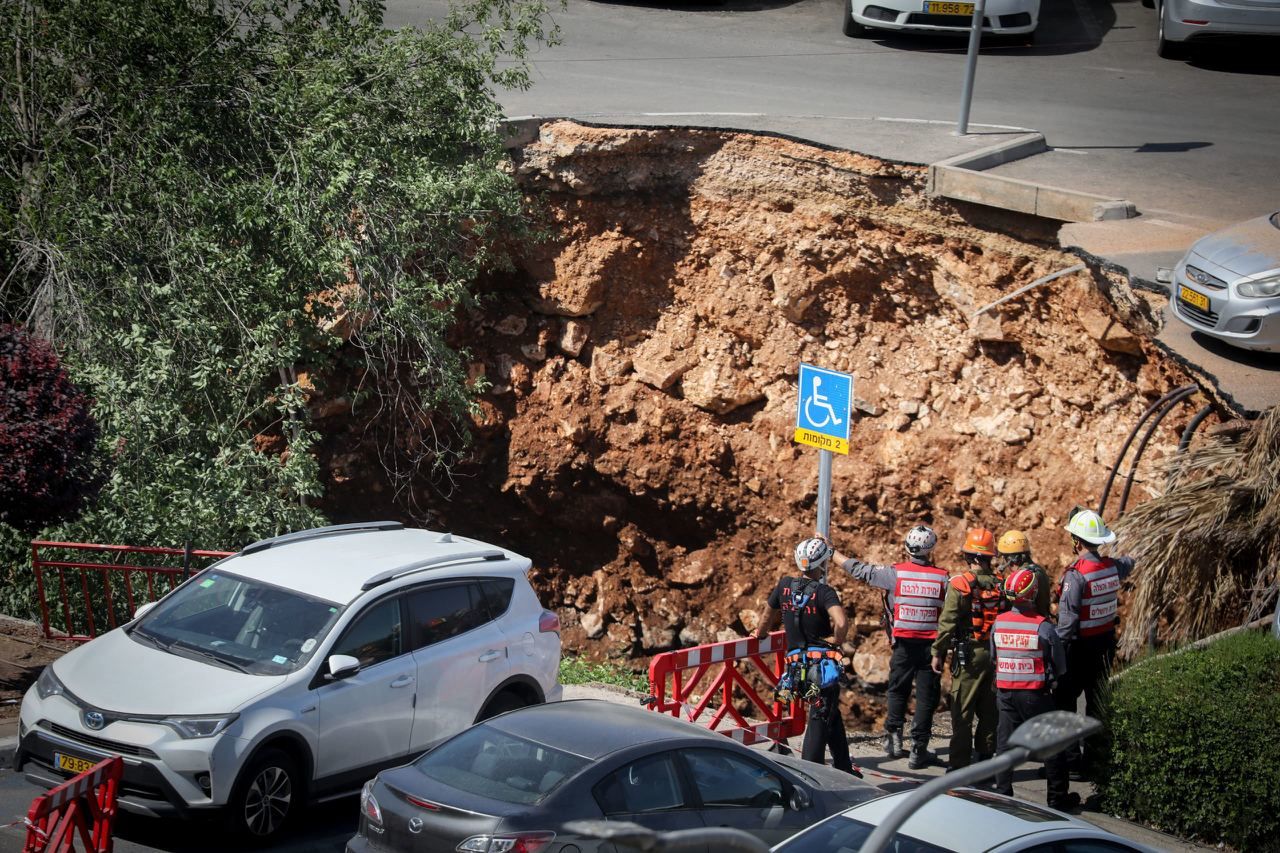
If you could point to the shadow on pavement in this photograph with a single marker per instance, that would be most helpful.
(1269, 361)
(1238, 56)
(323, 828)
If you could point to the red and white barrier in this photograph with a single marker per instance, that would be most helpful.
(83, 807)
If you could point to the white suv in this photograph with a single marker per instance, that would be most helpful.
(295, 670)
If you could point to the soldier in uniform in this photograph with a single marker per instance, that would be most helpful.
(973, 601)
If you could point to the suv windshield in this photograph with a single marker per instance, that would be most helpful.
(500, 766)
(238, 623)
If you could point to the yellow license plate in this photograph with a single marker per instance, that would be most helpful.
(1197, 299)
(931, 8)
(71, 763)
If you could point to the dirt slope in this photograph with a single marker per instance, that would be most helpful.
(637, 439)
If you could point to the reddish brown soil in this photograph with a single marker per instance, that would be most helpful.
(23, 654)
(637, 437)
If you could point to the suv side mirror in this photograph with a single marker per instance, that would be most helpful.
(142, 609)
(342, 666)
(800, 799)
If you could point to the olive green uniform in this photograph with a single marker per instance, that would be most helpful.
(973, 692)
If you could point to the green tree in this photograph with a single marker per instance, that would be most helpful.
(209, 204)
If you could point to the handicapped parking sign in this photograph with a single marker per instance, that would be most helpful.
(822, 416)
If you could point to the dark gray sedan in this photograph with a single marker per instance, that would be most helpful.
(509, 784)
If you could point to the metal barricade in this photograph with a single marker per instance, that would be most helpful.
(673, 691)
(83, 808)
(100, 597)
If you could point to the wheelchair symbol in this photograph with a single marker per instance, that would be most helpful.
(820, 400)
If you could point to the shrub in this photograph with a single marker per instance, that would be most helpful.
(1195, 743)
(48, 436)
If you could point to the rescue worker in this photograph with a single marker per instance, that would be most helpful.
(1087, 604)
(1015, 553)
(811, 614)
(972, 604)
(914, 592)
(1029, 657)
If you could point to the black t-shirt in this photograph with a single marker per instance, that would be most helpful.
(813, 618)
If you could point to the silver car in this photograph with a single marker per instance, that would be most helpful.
(1184, 22)
(1228, 285)
(962, 821)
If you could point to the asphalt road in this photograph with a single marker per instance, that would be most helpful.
(1196, 139)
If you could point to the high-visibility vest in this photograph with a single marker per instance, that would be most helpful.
(1019, 651)
(918, 595)
(985, 603)
(1098, 599)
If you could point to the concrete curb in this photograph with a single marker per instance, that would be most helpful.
(961, 178)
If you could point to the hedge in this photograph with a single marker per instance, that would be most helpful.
(1195, 743)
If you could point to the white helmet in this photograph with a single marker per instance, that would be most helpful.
(812, 554)
(1089, 526)
(921, 540)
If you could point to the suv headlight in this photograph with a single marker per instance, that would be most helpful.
(193, 727)
(48, 684)
(1261, 287)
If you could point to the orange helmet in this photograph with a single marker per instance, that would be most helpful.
(980, 541)
(1021, 587)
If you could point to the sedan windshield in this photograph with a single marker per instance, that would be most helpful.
(237, 623)
(500, 766)
(845, 835)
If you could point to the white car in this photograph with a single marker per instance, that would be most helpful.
(965, 820)
(1017, 18)
(294, 671)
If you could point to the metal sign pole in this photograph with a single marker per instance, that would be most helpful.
(971, 65)
(824, 492)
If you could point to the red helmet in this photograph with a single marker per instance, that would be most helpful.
(1021, 586)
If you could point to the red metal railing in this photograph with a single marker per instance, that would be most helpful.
(82, 809)
(674, 692)
(81, 614)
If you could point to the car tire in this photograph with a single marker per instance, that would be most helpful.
(501, 704)
(851, 27)
(268, 794)
(1165, 48)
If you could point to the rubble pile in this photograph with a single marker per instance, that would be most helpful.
(636, 437)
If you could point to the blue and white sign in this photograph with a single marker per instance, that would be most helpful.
(826, 400)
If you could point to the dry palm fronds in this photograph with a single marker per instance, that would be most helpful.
(1208, 550)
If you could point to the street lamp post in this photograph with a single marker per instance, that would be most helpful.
(971, 65)
(1037, 739)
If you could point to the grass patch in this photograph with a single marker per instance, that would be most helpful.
(576, 670)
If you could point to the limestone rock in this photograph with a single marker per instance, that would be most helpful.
(593, 624)
(718, 387)
(1109, 333)
(573, 337)
(511, 325)
(609, 368)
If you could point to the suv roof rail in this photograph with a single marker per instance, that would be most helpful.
(319, 532)
(431, 563)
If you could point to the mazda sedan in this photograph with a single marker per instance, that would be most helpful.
(1228, 285)
(512, 782)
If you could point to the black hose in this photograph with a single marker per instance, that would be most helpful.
(1183, 393)
(1115, 469)
(1193, 426)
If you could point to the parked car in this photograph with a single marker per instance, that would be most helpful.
(512, 782)
(295, 670)
(1228, 285)
(965, 820)
(1013, 18)
(1184, 23)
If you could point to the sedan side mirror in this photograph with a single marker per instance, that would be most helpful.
(342, 666)
(800, 799)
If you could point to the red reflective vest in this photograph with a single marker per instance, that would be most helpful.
(1098, 598)
(1019, 651)
(918, 595)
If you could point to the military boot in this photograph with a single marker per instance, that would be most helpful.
(920, 756)
(893, 745)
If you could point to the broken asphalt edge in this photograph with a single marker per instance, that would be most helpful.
(961, 177)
